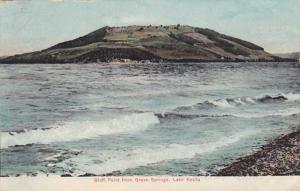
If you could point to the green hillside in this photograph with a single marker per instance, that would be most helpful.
(174, 43)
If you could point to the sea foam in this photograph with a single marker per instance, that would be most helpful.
(72, 131)
(231, 102)
(292, 97)
(149, 155)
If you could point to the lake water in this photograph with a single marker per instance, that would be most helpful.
(141, 119)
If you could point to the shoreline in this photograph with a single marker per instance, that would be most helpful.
(184, 61)
(279, 157)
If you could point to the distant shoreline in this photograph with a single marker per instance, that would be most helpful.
(159, 61)
(280, 157)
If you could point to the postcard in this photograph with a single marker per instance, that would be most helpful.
(149, 95)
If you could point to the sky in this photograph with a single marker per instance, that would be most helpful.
(28, 25)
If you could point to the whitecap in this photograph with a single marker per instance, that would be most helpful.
(119, 161)
(73, 131)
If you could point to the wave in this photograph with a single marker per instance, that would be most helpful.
(231, 102)
(292, 97)
(283, 113)
(169, 115)
(73, 131)
(150, 155)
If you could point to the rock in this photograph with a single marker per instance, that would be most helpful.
(279, 157)
(87, 175)
(66, 175)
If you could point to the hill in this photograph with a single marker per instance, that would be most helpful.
(174, 43)
(292, 55)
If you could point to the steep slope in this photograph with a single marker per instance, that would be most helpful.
(154, 43)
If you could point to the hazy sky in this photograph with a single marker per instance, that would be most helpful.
(27, 25)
